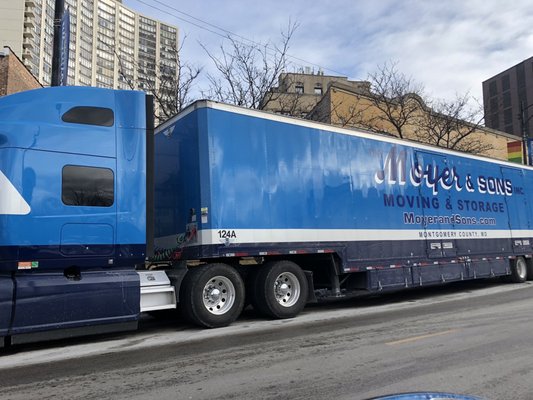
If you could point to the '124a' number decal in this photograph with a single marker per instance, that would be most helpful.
(227, 234)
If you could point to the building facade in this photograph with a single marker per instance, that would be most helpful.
(508, 99)
(298, 92)
(14, 76)
(110, 45)
(341, 105)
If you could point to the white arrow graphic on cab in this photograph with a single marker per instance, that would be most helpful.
(11, 201)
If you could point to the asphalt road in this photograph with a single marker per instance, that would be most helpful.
(471, 338)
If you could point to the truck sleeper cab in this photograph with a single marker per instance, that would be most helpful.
(72, 211)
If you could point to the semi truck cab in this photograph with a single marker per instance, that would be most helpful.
(72, 210)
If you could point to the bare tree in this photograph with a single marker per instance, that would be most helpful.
(289, 97)
(355, 113)
(288, 103)
(246, 72)
(345, 112)
(171, 82)
(401, 103)
(342, 104)
(175, 90)
(394, 104)
(452, 124)
(397, 99)
(388, 102)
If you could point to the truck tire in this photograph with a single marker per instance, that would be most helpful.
(212, 295)
(529, 269)
(519, 270)
(279, 290)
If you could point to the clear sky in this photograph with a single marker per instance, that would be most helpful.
(449, 46)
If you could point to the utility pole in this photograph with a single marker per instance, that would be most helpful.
(56, 52)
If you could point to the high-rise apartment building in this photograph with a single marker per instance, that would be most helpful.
(505, 95)
(110, 44)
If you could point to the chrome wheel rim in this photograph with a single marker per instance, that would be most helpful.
(287, 289)
(521, 269)
(218, 295)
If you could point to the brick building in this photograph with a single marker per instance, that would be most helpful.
(14, 76)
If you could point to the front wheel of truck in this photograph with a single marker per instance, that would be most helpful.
(212, 295)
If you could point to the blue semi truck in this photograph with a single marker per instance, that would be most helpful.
(103, 217)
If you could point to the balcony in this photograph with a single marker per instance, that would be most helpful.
(30, 3)
(27, 45)
(28, 23)
(28, 33)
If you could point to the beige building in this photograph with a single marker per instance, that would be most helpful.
(298, 93)
(342, 105)
(110, 44)
(14, 76)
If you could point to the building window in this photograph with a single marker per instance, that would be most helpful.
(506, 83)
(494, 104)
(318, 89)
(299, 87)
(87, 186)
(495, 121)
(508, 117)
(507, 100)
(493, 89)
